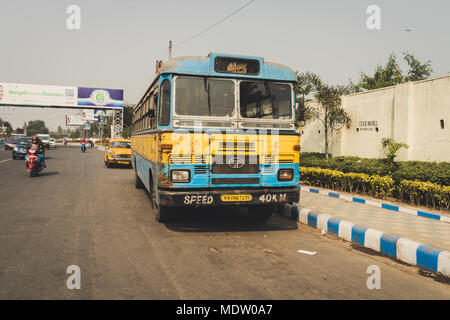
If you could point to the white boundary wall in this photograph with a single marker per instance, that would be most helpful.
(411, 112)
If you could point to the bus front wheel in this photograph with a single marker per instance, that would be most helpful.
(163, 213)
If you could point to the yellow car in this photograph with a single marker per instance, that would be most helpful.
(118, 152)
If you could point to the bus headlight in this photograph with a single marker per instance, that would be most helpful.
(180, 176)
(285, 175)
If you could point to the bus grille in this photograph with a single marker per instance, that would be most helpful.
(222, 167)
(200, 170)
(235, 181)
(269, 170)
(186, 159)
(237, 146)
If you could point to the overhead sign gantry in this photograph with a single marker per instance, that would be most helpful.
(31, 95)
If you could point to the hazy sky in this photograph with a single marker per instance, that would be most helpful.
(120, 41)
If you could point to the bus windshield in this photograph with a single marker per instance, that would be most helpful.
(204, 97)
(265, 100)
(216, 98)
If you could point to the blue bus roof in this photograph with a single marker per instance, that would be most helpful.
(204, 66)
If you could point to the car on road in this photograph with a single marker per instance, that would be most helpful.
(118, 152)
(52, 143)
(11, 143)
(20, 150)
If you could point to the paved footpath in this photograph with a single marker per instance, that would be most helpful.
(424, 230)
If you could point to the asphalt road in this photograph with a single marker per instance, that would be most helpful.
(78, 212)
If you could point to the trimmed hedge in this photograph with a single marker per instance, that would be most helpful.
(373, 185)
(435, 172)
(416, 192)
(425, 193)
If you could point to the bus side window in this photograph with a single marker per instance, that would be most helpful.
(147, 115)
(154, 107)
(164, 104)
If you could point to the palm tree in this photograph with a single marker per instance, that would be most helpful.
(329, 110)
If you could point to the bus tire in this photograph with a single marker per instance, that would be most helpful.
(138, 182)
(163, 213)
(261, 213)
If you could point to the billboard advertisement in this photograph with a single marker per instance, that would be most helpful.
(76, 120)
(92, 114)
(60, 96)
(97, 97)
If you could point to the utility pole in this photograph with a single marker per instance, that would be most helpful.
(170, 49)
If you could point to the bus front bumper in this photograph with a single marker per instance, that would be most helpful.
(225, 197)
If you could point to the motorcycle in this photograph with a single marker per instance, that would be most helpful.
(65, 143)
(33, 162)
(83, 147)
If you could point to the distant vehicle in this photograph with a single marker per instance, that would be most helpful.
(2, 141)
(45, 138)
(52, 143)
(33, 162)
(118, 152)
(11, 142)
(21, 148)
(83, 145)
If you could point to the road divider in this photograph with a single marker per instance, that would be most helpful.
(408, 251)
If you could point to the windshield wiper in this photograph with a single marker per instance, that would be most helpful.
(205, 81)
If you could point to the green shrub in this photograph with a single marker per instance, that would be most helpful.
(436, 172)
(425, 193)
(416, 192)
(423, 171)
(374, 185)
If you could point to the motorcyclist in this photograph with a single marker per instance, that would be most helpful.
(65, 141)
(37, 144)
(83, 143)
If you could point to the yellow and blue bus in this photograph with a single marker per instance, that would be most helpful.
(218, 131)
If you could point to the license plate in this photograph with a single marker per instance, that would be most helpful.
(235, 197)
(123, 162)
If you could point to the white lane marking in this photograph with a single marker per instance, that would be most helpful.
(5, 160)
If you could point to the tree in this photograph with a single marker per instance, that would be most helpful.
(329, 110)
(391, 74)
(8, 126)
(306, 83)
(390, 149)
(127, 120)
(75, 134)
(386, 76)
(36, 127)
(107, 128)
(417, 70)
(94, 129)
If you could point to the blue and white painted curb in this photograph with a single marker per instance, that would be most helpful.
(403, 249)
(376, 204)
